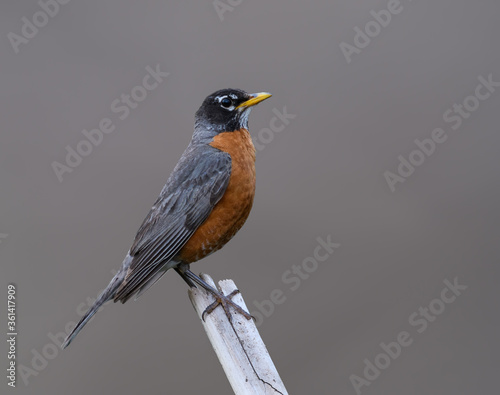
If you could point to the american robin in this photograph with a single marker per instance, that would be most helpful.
(205, 201)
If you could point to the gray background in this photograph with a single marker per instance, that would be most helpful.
(322, 175)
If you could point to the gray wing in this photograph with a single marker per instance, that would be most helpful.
(195, 186)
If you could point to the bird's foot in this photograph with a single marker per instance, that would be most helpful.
(225, 301)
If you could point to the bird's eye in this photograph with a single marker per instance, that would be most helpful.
(226, 102)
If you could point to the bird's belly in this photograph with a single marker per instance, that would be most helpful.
(231, 212)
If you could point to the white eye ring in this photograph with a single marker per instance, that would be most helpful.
(226, 102)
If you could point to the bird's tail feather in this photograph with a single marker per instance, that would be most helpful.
(105, 296)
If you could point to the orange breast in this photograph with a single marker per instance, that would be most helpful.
(231, 212)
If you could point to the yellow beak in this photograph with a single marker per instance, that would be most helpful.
(255, 98)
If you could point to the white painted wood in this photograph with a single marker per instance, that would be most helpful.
(239, 347)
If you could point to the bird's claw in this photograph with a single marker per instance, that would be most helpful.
(225, 301)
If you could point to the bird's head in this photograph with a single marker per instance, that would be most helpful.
(227, 110)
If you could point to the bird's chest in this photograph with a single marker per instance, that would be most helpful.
(231, 212)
